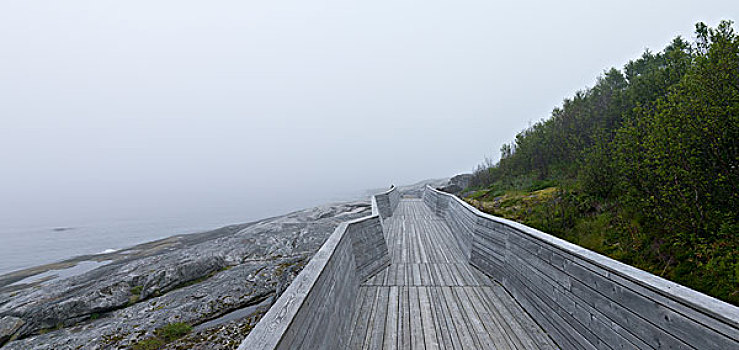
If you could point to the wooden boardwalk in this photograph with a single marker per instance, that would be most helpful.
(430, 298)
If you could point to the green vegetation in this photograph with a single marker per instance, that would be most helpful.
(642, 167)
(173, 331)
(137, 290)
(149, 344)
(135, 295)
(164, 335)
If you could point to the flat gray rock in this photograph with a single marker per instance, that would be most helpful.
(8, 326)
(189, 278)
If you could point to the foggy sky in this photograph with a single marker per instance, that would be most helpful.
(176, 107)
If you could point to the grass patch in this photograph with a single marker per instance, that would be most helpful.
(164, 335)
(173, 331)
(149, 344)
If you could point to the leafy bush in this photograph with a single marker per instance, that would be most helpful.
(647, 162)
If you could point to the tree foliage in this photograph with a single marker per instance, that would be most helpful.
(657, 143)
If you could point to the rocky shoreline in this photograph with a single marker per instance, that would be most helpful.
(188, 279)
(220, 282)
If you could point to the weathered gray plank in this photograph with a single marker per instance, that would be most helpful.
(461, 324)
(416, 329)
(425, 276)
(447, 329)
(416, 275)
(400, 275)
(540, 338)
(361, 307)
(391, 324)
(474, 322)
(405, 317)
(490, 320)
(561, 296)
(506, 325)
(429, 327)
(543, 294)
(377, 332)
(360, 329)
(510, 309)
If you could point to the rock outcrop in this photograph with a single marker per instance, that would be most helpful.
(191, 279)
(457, 184)
(9, 325)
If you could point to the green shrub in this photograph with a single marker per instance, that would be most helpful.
(646, 161)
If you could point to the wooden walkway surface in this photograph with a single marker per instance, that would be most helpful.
(430, 298)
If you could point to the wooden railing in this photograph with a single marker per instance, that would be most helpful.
(585, 300)
(315, 311)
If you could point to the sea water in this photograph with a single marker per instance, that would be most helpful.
(36, 243)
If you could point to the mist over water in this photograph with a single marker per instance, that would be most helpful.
(54, 238)
(131, 121)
